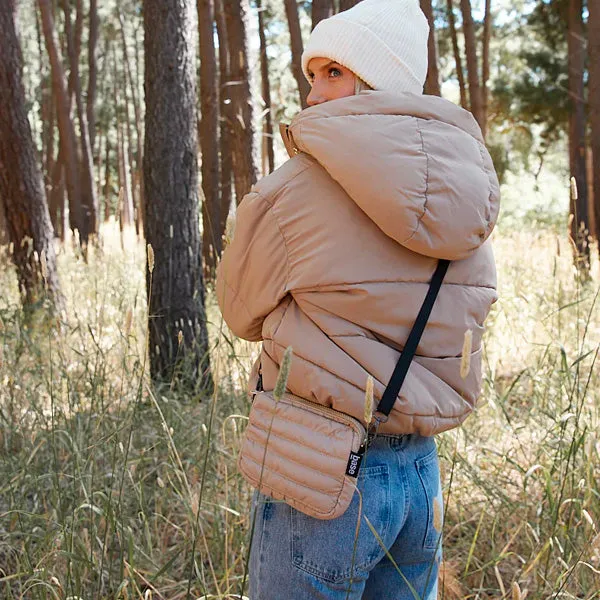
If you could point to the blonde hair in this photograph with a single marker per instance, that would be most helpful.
(360, 85)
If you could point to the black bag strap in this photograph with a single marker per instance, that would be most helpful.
(398, 376)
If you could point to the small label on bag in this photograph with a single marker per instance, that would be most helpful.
(354, 464)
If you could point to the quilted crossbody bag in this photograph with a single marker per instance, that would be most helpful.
(309, 455)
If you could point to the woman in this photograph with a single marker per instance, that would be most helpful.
(332, 255)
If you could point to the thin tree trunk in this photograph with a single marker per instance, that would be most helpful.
(485, 70)
(47, 113)
(126, 214)
(472, 62)
(267, 137)
(89, 200)
(130, 168)
(226, 117)
(137, 172)
(65, 125)
(92, 73)
(321, 9)
(45, 93)
(432, 83)
(291, 10)
(460, 74)
(107, 182)
(21, 186)
(56, 198)
(178, 337)
(101, 140)
(579, 229)
(245, 170)
(209, 138)
(346, 4)
(594, 103)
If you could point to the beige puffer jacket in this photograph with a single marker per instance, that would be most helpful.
(334, 251)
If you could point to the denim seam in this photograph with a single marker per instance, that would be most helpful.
(420, 465)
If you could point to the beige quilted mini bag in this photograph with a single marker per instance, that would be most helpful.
(309, 455)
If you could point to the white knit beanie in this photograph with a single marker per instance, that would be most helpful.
(384, 42)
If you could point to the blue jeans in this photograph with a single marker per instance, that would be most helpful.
(296, 557)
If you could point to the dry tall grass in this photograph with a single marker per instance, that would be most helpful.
(109, 489)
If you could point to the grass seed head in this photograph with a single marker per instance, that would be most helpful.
(465, 361)
(44, 265)
(180, 337)
(574, 191)
(369, 400)
(516, 591)
(284, 373)
(150, 258)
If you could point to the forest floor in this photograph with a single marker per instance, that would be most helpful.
(112, 489)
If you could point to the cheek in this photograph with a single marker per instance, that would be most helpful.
(345, 89)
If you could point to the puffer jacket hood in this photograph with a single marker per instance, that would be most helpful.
(334, 251)
(426, 182)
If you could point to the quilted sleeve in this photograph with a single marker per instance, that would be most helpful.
(253, 273)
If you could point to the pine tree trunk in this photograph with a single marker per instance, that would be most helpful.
(56, 197)
(472, 62)
(47, 112)
(245, 170)
(226, 118)
(175, 284)
(291, 10)
(21, 185)
(65, 125)
(107, 182)
(485, 70)
(432, 83)
(212, 244)
(594, 103)
(321, 9)
(88, 189)
(579, 229)
(92, 73)
(136, 173)
(346, 4)
(267, 138)
(460, 73)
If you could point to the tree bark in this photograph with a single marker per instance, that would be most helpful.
(107, 188)
(89, 200)
(21, 185)
(92, 74)
(175, 284)
(136, 173)
(126, 210)
(291, 10)
(226, 117)
(432, 83)
(321, 9)
(346, 4)
(579, 228)
(245, 170)
(472, 62)
(65, 125)
(56, 198)
(485, 69)
(212, 245)
(460, 74)
(594, 103)
(268, 153)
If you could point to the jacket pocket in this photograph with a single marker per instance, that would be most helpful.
(429, 473)
(325, 548)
